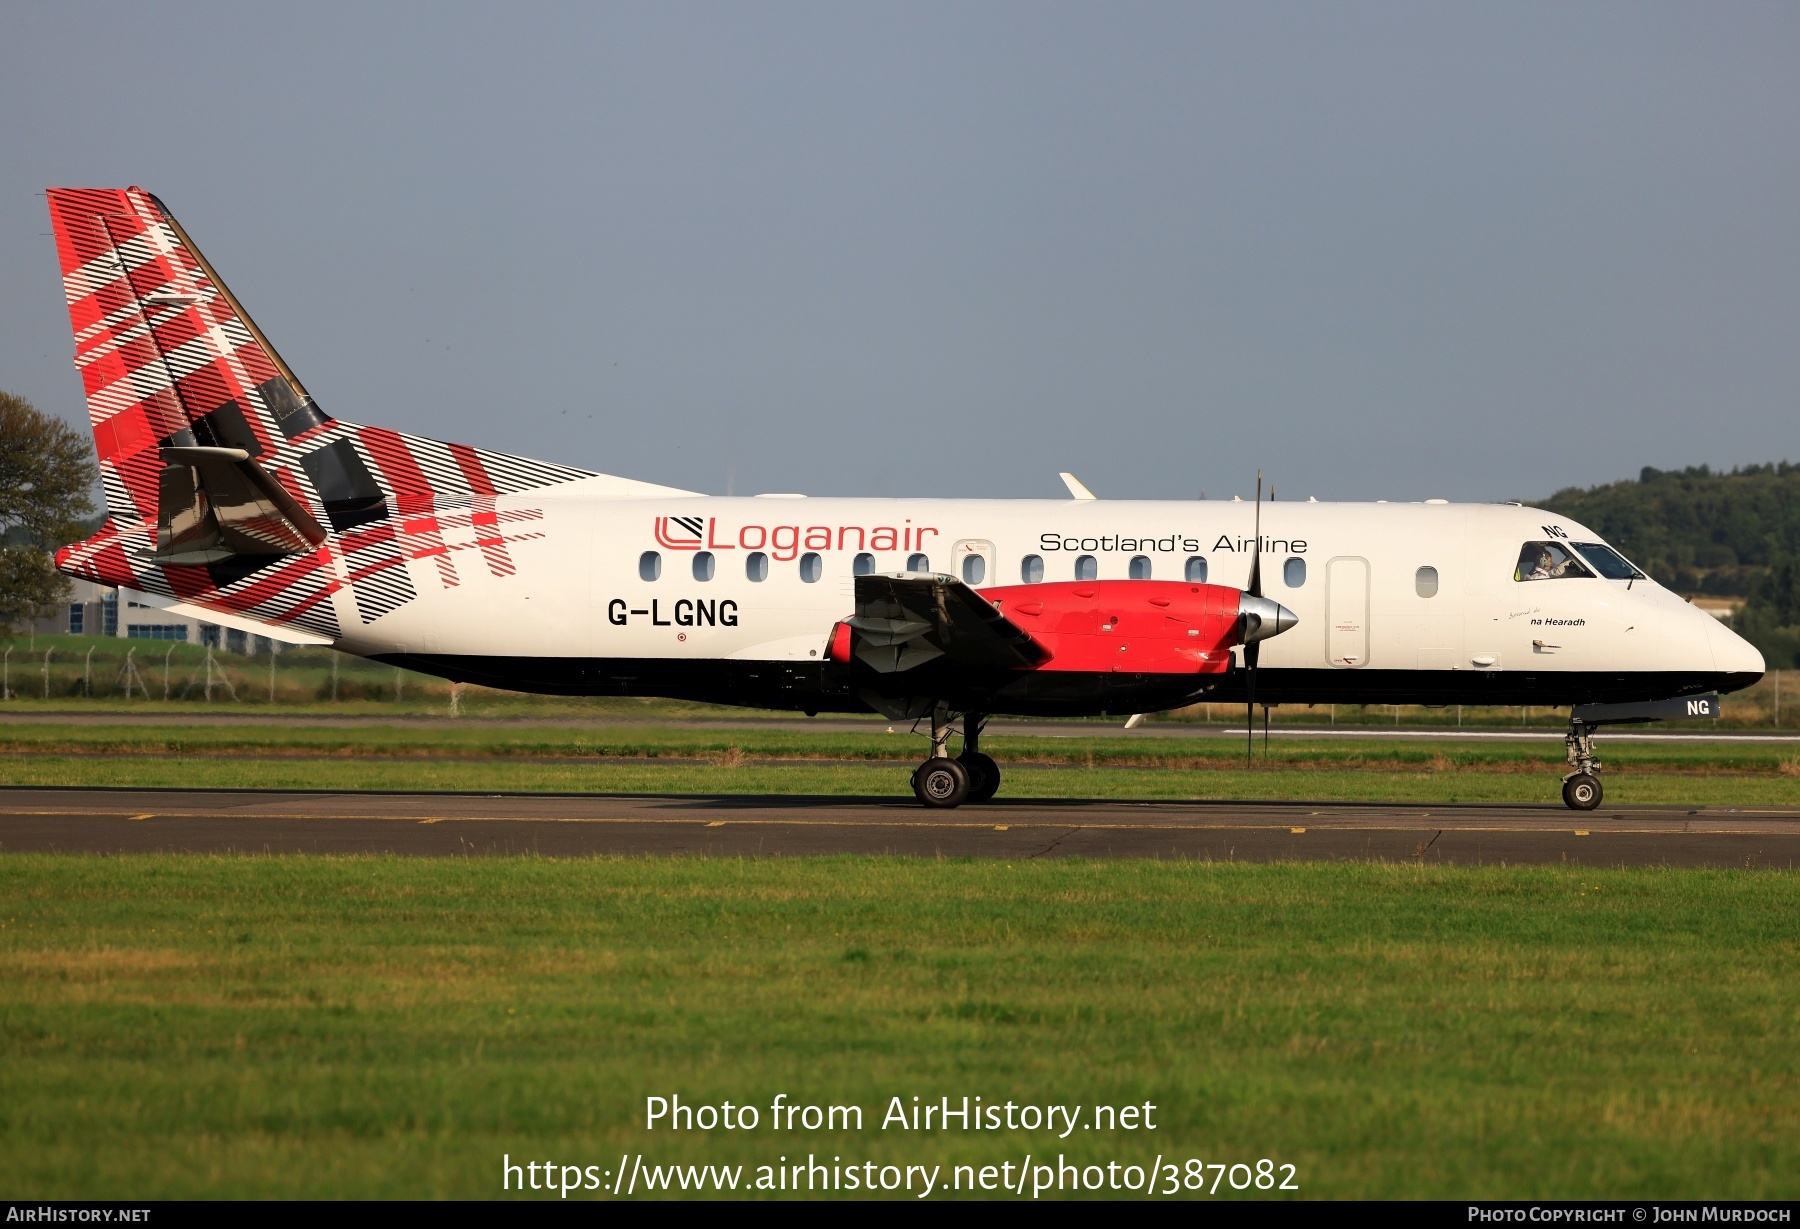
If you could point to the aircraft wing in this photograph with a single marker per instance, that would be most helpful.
(905, 619)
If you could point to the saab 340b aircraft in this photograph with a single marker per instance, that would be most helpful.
(233, 496)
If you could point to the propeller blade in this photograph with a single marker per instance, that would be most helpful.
(1255, 588)
(1252, 649)
(1251, 652)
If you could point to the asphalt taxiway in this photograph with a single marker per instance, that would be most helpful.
(132, 821)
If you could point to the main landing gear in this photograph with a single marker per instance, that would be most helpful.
(1581, 789)
(941, 782)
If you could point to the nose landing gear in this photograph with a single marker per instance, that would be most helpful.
(941, 782)
(1581, 789)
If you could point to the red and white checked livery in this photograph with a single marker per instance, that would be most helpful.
(167, 357)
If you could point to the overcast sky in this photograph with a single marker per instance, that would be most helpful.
(1381, 251)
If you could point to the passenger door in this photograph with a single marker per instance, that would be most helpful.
(972, 561)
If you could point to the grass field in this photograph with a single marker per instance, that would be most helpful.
(188, 1026)
(199, 1026)
(655, 759)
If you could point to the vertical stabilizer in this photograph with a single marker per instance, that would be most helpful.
(167, 358)
(225, 482)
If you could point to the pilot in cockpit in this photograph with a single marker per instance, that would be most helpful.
(1547, 561)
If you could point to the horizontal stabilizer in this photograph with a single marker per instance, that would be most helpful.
(216, 503)
(227, 618)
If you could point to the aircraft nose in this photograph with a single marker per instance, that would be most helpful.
(1731, 652)
(1262, 618)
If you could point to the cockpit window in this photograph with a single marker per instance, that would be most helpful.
(1548, 561)
(1607, 561)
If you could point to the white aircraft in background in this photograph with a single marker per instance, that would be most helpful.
(232, 495)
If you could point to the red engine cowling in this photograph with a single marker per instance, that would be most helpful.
(1143, 626)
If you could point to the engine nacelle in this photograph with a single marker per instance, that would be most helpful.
(1142, 626)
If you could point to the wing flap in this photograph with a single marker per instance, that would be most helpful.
(905, 619)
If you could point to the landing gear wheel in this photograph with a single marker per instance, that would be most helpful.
(1582, 792)
(984, 775)
(941, 783)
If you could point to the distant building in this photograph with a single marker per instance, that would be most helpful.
(92, 610)
(95, 610)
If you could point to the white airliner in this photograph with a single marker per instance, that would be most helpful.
(231, 494)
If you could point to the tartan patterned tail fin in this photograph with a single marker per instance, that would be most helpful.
(167, 356)
(225, 483)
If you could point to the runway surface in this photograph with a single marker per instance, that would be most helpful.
(563, 825)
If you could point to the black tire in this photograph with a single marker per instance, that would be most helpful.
(1582, 792)
(984, 775)
(941, 784)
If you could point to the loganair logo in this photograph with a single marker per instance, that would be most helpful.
(680, 532)
(786, 542)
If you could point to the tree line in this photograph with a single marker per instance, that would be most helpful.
(46, 483)
(1732, 533)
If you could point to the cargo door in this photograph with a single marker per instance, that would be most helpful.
(1347, 612)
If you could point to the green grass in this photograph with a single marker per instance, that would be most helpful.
(194, 1026)
(746, 759)
(861, 779)
(1088, 747)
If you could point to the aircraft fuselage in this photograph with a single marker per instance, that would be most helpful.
(733, 600)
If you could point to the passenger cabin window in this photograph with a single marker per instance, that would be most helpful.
(918, 563)
(1607, 561)
(1196, 569)
(1031, 569)
(1140, 567)
(811, 567)
(1548, 561)
(864, 565)
(1425, 582)
(1293, 572)
(1086, 568)
(703, 565)
(649, 565)
(756, 566)
(974, 569)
